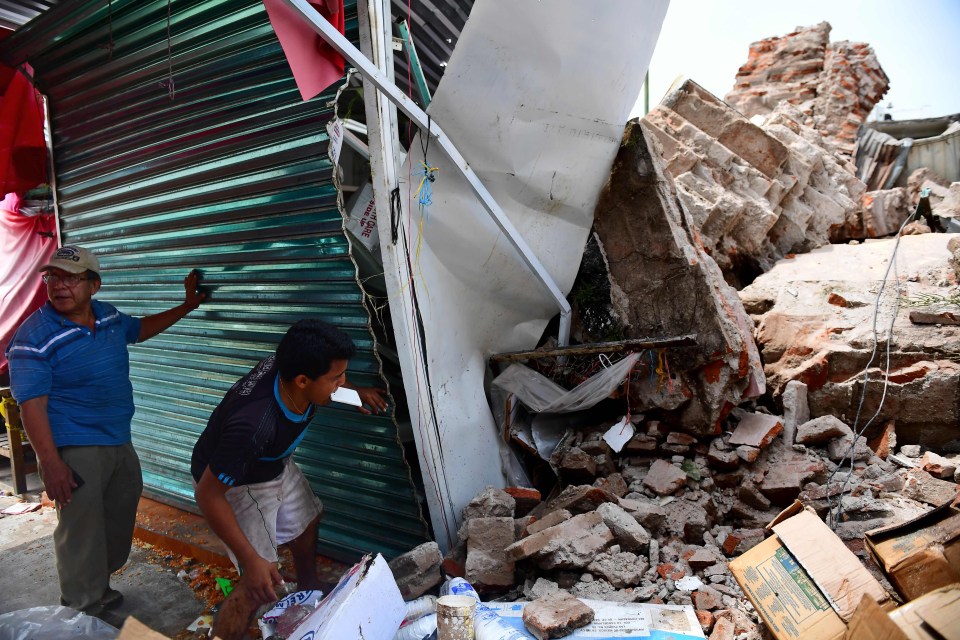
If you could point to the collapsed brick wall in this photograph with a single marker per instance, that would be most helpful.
(754, 192)
(663, 283)
(835, 85)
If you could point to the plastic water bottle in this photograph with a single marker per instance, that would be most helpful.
(420, 607)
(488, 624)
(419, 629)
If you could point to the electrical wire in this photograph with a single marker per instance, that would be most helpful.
(416, 321)
(835, 511)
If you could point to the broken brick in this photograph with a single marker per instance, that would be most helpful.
(664, 478)
(614, 483)
(581, 499)
(556, 615)
(487, 563)
(549, 520)
(756, 430)
(524, 498)
(578, 467)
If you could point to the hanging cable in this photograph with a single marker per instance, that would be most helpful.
(835, 512)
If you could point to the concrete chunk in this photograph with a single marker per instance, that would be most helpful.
(796, 409)
(627, 531)
(488, 565)
(822, 430)
(490, 503)
(783, 481)
(418, 570)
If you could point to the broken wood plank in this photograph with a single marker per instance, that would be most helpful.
(689, 340)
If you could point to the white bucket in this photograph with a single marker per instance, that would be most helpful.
(455, 617)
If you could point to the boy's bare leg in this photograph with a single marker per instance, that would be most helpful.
(304, 551)
(236, 614)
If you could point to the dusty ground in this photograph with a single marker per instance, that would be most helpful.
(153, 591)
(165, 590)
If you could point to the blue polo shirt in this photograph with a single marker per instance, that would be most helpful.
(84, 374)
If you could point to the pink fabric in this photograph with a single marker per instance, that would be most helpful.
(315, 64)
(26, 243)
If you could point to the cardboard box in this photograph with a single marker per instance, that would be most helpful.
(133, 629)
(803, 581)
(934, 616)
(365, 605)
(920, 555)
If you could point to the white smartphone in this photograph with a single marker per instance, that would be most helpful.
(346, 396)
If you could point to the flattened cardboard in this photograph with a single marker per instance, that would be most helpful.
(934, 616)
(365, 605)
(807, 585)
(836, 571)
(939, 610)
(920, 555)
(133, 629)
(784, 595)
(871, 622)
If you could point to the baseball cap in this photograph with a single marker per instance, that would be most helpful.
(73, 259)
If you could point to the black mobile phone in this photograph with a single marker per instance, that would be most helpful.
(77, 479)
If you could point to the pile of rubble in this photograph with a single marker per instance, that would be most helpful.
(834, 85)
(892, 351)
(658, 521)
(755, 192)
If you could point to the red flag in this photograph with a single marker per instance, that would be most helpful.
(315, 64)
(23, 152)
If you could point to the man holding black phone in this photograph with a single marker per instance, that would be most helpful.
(70, 373)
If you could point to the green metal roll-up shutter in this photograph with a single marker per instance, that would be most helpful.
(227, 173)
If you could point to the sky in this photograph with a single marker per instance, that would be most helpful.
(916, 41)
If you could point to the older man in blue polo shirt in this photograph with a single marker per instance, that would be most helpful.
(70, 373)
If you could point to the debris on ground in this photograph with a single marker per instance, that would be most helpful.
(817, 314)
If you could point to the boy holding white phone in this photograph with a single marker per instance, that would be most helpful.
(247, 485)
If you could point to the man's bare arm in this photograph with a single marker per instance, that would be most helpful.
(160, 322)
(57, 475)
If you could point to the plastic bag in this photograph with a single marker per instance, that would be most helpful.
(53, 623)
(543, 395)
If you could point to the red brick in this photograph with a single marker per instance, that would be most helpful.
(706, 620)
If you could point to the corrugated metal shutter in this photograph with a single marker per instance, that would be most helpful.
(232, 177)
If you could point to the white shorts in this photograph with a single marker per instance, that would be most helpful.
(275, 512)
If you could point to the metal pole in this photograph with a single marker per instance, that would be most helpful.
(689, 340)
(384, 166)
(646, 93)
(415, 69)
(370, 72)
